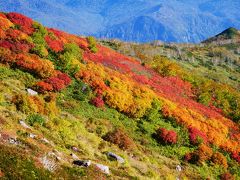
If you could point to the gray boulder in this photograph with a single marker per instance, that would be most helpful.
(84, 163)
(116, 157)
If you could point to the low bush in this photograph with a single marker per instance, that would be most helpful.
(120, 138)
(98, 101)
(196, 136)
(166, 136)
(200, 155)
(35, 119)
(227, 176)
(92, 44)
(219, 159)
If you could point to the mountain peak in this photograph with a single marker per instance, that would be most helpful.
(230, 33)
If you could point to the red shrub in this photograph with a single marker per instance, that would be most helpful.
(121, 139)
(17, 47)
(57, 32)
(167, 136)
(196, 136)
(13, 34)
(188, 157)
(227, 176)
(55, 45)
(98, 101)
(24, 22)
(67, 80)
(6, 44)
(23, 46)
(3, 15)
(236, 156)
(43, 87)
(56, 83)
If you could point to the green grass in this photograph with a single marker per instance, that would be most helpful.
(17, 164)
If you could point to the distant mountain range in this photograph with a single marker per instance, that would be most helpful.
(134, 20)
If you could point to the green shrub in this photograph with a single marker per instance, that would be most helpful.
(92, 44)
(39, 41)
(35, 119)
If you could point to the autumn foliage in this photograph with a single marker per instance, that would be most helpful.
(125, 84)
(120, 138)
(200, 155)
(24, 23)
(54, 44)
(236, 156)
(166, 136)
(227, 176)
(55, 83)
(196, 136)
(219, 159)
(97, 101)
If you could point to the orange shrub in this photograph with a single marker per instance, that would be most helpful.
(200, 155)
(43, 87)
(219, 159)
(5, 23)
(33, 64)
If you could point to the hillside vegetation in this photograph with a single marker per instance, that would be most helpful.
(92, 100)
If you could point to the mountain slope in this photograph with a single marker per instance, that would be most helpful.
(171, 21)
(229, 35)
(90, 101)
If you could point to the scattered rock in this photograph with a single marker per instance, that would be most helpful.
(103, 168)
(75, 149)
(57, 154)
(178, 168)
(116, 157)
(84, 163)
(84, 88)
(32, 92)
(23, 124)
(74, 156)
(45, 140)
(49, 161)
(33, 136)
(14, 141)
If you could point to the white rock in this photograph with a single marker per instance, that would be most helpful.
(74, 156)
(23, 124)
(118, 158)
(49, 163)
(32, 92)
(178, 168)
(45, 140)
(103, 168)
(32, 135)
(14, 141)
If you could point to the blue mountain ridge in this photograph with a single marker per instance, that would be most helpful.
(134, 20)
